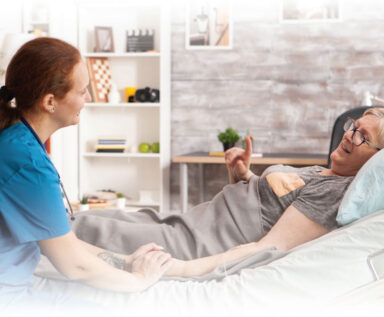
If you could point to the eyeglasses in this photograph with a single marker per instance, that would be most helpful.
(357, 137)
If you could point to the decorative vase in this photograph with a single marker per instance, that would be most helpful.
(83, 207)
(227, 146)
(120, 203)
(113, 95)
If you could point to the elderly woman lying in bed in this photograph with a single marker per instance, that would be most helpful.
(282, 208)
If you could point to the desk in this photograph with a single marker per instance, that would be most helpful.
(202, 158)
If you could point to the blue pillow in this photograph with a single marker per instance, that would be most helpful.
(365, 195)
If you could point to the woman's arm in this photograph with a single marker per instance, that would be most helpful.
(292, 229)
(70, 256)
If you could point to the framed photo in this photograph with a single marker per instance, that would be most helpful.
(104, 39)
(209, 24)
(296, 11)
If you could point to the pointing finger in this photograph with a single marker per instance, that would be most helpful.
(248, 146)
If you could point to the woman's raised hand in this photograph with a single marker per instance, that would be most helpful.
(238, 162)
(150, 266)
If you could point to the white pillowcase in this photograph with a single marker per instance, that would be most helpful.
(365, 195)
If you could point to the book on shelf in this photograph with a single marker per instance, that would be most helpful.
(111, 145)
(111, 142)
(109, 150)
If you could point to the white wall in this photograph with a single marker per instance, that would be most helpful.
(64, 20)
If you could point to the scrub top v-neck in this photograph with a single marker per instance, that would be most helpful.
(31, 204)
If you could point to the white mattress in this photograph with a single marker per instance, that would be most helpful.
(328, 270)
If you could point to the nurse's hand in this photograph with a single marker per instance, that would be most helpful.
(149, 267)
(238, 162)
(144, 249)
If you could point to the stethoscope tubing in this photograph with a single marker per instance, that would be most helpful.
(72, 217)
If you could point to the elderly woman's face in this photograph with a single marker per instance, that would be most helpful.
(348, 158)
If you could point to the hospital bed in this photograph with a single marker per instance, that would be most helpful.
(328, 275)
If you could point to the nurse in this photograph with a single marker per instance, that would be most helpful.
(45, 90)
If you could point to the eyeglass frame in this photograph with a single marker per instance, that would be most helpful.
(354, 130)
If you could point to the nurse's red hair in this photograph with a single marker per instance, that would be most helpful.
(40, 67)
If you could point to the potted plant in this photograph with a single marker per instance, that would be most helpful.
(120, 200)
(229, 137)
(84, 204)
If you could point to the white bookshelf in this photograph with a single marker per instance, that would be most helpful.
(122, 55)
(37, 17)
(128, 172)
(122, 155)
(124, 105)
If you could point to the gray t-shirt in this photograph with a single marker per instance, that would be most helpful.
(316, 196)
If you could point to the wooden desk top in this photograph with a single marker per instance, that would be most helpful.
(265, 159)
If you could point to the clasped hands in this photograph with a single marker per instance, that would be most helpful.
(150, 262)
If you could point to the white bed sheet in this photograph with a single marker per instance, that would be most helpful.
(315, 274)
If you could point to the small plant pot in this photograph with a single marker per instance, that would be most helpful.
(120, 203)
(227, 146)
(83, 207)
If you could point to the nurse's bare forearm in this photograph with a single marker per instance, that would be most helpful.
(74, 261)
(91, 248)
(108, 277)
(119, 261)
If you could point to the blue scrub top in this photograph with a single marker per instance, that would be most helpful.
(31, 204)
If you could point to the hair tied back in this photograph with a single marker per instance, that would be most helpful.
(5, 94)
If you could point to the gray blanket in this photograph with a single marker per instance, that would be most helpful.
(233, 217)
(122, 232)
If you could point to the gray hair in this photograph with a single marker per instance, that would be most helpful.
(379, 113)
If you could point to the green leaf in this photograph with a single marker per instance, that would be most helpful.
(228, 136)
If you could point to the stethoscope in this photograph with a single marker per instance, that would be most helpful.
(72, 217)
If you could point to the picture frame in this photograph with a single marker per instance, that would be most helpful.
(304, 11)
(209, 25)
(104, 39)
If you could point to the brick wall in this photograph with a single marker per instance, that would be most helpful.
(285, 82)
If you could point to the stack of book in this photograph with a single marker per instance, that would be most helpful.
(140, 40)
(111, 145)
